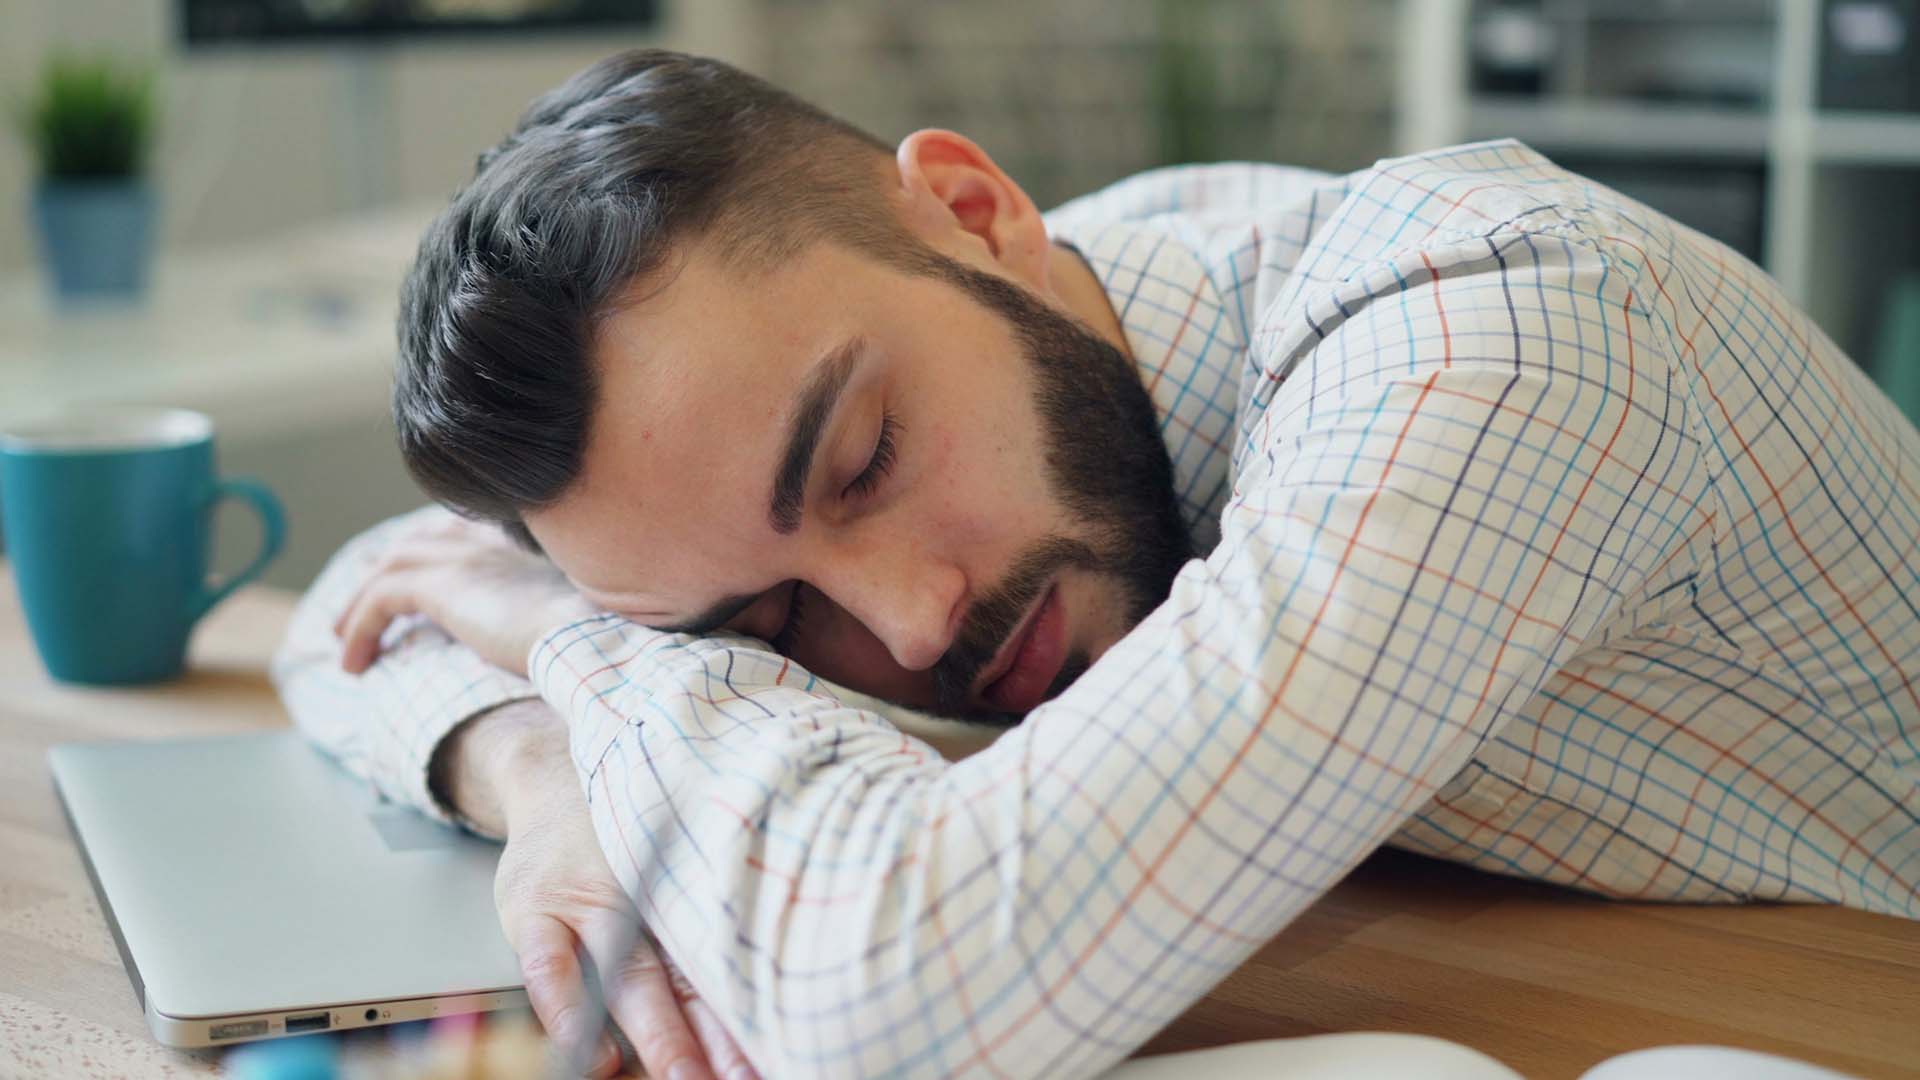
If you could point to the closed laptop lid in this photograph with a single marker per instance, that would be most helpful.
(250, 872)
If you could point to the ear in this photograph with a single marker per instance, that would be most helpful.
(954, 191)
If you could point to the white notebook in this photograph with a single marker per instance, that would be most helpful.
(1368, 1055)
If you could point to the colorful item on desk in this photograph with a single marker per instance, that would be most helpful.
(499, 1046)
(502, 1046)
(452, 1046)
(309, 1057)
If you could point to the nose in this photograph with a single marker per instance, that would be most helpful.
(905, 597)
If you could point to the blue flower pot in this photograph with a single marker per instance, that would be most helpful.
(96, 236)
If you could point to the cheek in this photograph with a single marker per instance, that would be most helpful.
(984, 497)
(844, 651)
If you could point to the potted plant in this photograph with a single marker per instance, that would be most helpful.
(89, 123)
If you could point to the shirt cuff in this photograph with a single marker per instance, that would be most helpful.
(452, 688)
(550, 643)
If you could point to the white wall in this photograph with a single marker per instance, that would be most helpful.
(252, 140)
(256, 141)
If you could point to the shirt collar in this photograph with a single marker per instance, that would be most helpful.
(1187, 352)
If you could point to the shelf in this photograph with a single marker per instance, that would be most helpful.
(1717, 12)
(1839, 138)
(1866, 138)
(1639, 128)
(289, 334)
(1838, 186)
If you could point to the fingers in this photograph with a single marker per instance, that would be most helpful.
(361, 627)
(558, 993)
(642, 1000)
(392, 578)
(606, 1057)
(725, 1055)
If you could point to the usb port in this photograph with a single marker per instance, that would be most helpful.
(311, 1022)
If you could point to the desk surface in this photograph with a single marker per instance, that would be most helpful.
(1549, 982)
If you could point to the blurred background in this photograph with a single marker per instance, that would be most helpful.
(297, 146)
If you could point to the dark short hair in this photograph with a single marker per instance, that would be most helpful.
(592, 191)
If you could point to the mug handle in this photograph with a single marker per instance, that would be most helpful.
(272, 531)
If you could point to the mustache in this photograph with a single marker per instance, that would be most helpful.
(995, 616)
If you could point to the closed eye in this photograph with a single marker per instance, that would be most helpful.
(884, 450)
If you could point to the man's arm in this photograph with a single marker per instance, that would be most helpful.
(1432, 514)
(475, 766)
(386, 723)
(432, 724)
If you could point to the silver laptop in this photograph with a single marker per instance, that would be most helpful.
(256, 889)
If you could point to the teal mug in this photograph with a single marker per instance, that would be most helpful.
(108, 516)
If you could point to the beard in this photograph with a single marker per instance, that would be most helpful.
(1106, 463)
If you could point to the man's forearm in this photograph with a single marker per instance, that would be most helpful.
(475, 769)
(383, 725)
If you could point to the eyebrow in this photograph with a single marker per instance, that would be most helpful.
(806, 424)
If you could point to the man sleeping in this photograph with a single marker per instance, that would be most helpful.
(1265, 516)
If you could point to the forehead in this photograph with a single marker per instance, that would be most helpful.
(697, 378)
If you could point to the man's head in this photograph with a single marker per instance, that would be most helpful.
(734, 364)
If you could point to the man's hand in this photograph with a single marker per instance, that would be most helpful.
(471, 581)
(555, 895)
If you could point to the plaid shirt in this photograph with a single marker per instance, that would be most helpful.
(1546, 535)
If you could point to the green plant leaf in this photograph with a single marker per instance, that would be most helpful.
(89, 118)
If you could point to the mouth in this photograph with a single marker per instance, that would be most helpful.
(1018, 679)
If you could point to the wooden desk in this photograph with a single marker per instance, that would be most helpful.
(1548, 981)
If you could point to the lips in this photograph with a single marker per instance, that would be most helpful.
(1031, 658)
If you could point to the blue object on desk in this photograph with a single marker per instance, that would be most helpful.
(108, 513)
(310, 1057)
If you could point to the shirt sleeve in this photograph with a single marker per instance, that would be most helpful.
(384, 725)
(1433, 509)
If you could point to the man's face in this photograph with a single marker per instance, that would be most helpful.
(938, 490)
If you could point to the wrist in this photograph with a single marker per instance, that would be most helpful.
(529, 756)
(489, 757)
